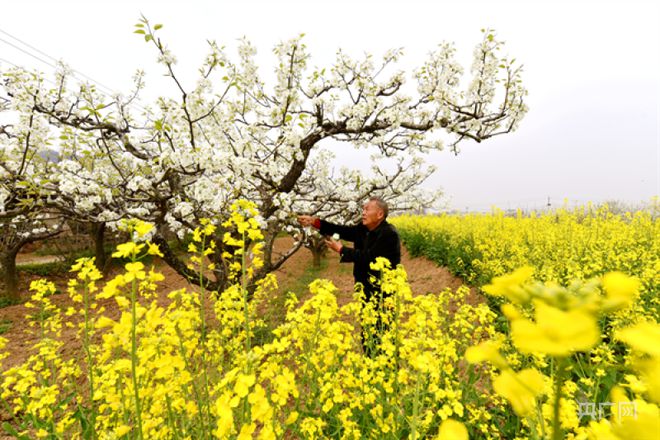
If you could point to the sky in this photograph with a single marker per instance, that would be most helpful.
(592, 69)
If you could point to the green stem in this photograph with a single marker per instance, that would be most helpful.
(202, 295)
(171, 418)
(202, 312)
(397, 360)
(559, 381)
(415, 411)
(189, 368)
(248, 343)
(90, 365)
(138, 409)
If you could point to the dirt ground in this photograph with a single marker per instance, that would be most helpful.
(424, 277)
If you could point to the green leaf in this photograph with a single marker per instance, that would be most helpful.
(158, 26)
(139, 31)
(12, 431)
(148, 38)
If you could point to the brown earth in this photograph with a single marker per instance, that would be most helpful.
(424, 277)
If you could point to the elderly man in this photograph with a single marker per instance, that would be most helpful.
(373, 237)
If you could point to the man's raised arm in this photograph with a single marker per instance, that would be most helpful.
(347, 233)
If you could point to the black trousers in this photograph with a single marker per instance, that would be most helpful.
(372, 335)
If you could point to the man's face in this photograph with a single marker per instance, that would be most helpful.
(372, 215)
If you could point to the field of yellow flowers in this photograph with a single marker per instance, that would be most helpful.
(570, 352)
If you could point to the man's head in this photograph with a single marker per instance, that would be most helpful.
(374, 211)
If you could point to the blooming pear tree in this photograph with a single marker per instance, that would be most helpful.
(25, 167)
(195, 150)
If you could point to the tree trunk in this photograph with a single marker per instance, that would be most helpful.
(98, 232)
(316, 258)
(9, 275)
(317, 246)
(180, 266)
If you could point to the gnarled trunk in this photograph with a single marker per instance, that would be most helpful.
(9, 274)
(316, 244)
(98, 233)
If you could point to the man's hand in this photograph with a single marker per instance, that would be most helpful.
(306, 220)
(333, 244)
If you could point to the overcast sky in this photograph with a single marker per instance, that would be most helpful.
(592, 70)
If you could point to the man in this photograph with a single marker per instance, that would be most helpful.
(373, 238)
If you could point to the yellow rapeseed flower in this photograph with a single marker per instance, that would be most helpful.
(142, 228)
(555, 332)
(246, 432)
(643, 337)
(511, 285)
(291, 418)
(225, 415)
(243, 384)
(452, 430)
(122, 430)
(486, 351)
(648, 370)
(126, 250)
(154, 250)
(520, 389)
(209, 228)
(633, 420)
(510, 311)
(134, 271)
(620, 288)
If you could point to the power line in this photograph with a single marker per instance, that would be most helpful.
(25, 52)
(108, 91)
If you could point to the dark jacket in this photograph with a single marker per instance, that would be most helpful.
(381, 242)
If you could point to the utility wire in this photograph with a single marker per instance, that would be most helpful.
(26, 52)
(108, 89)
(107, 92)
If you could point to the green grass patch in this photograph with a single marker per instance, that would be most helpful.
(275, 309)
(63, 267)
(44, 269)
(5, 325)
(311, 273)
(6, 302)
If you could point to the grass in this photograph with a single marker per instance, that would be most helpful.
(275, 310)
(44, 269)
(63, 267)
(311, 273)
(6, 302)
(5, 325)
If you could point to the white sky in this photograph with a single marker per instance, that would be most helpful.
(592, 69)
